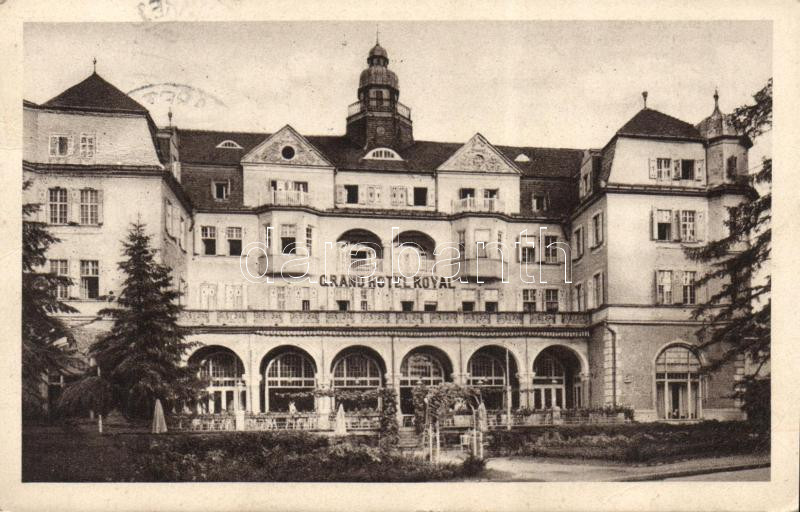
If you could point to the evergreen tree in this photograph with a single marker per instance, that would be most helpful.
(737, 317)
(141, 357)
(47, 345)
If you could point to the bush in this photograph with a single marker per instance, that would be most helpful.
(473, 466)
(631, 442)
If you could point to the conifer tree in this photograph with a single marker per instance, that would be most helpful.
(47, 344)
(141, 356)
(737, 317)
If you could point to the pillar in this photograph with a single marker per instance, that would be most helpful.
(323, 404)
(525, 389)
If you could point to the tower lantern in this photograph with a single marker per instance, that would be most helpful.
(378, 119)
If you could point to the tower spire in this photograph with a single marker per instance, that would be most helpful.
(644, 97)
(377, 35)
(716, 98)
(94, 65)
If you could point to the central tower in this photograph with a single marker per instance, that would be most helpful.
(378, 119)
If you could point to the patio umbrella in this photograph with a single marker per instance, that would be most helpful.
(159, 423)
(340, 426)
(483, 421)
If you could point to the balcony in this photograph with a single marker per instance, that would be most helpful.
(486, 268)
(472, 204)
(379, 319)
(360, 267)
(285, 198)
(376, 105)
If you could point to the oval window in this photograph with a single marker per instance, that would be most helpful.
(287, 152)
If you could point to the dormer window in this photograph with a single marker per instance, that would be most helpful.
(229, 144)
(382, 154)
(221, 190)
(522, 157)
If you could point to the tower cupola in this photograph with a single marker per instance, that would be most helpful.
(378, 119)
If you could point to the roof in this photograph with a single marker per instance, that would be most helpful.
(652, 123)
(424, 157)
(95, 94)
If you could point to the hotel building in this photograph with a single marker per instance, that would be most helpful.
(546, 277)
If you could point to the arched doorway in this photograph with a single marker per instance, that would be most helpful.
(357, 369)
(491, 370)
(224, 372)
(556, 381)
(678, 383)
(360, 252)
(423, 366)
(287, 370)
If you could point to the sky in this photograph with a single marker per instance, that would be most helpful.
(532, 83)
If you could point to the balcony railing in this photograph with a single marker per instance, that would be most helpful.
(275, 318)
(375, 105)
(286, 197)
(473, 204)
(360, 267)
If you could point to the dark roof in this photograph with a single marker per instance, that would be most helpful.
(95, 94)
(196, 181)
(200, 147)
(652, 123)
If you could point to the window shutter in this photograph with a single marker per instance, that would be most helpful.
(519, 251)
(700, 226)
(676, 225)
(655, 286)
(378, 189)
(198, 241)
(73, 206)
(562, 300)
(653, 223)
(600, 225)
(340, 194)
(539, 299)
(431, 197)
(677, 287)
(409, 196)
(591, 233)
(362, 195)
(590, 293)
(221, 247)
(100, 206)
(676, 169)
(651, 165)
(70, 145)
(699, 170)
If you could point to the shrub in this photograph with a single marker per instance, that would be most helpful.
(473, 466)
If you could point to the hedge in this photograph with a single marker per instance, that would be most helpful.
(638, 442)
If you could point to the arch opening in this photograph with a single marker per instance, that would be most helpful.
(557, 383)
(357, 369)
(493, 371)
(679, 391)
(224, 372)
(422, 366)
(287, 369)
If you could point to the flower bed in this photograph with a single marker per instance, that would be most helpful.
(644, 442)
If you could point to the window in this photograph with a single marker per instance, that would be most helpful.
(305, 305)
(664, 168)
(529, 300)
(550, 249)
(586, 185)
(343, 305)
(90, 279)
(364, 305)
(420, 196)
(398, 196)
(182, 233)
(527, 254)
(221, 191)
(287, 152)
(468, 306)
(288, 239)
(579, 302)
(268, 236)
(59, 145)
(382, 154)
(89, 207)
(551, 300)
(60, 268)
(373, 194)
(481, 240)
(678, 390)
(352, 194)
(522, 158)
(464, 193)
(597, 229)
(597, 281)
(537, 203)
(309, 239)
(58, 205)
(430, 306)
(490, 193)
(234, 236)
(689, 289)
(730, 168)
(491, 307)
(462, 244)
(664, 287)
(687, 169)
(578, 235)
(87, 145)
(168, 217)
(407, 305)
(229, 144)
(664, 225)
(687, 226)
(209, 236)
(300, 186)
